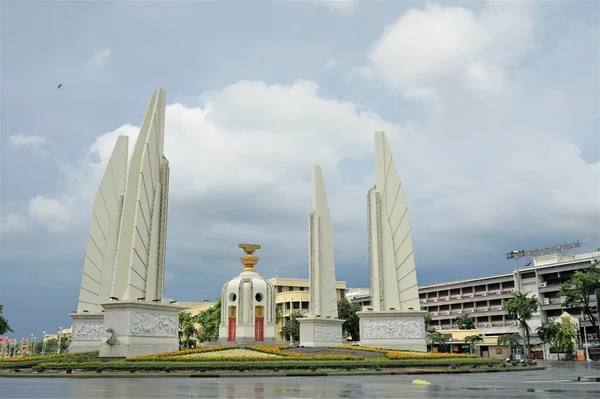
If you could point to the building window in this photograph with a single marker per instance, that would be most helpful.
(305, 305)
(291, 288)
(301, 288)
(279, 288)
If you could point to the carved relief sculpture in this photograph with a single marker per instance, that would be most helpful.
(153, 325)
(328, 333)
(393, 329)
(88, 331)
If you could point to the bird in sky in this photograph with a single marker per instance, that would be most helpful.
(60, 85)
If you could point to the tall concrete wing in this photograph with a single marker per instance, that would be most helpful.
(104, 230)
(139, 267)
(392, 263)
(323, 299)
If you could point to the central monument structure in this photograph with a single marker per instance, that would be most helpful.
(121, 309)
(395, 319)
(321, 327)
(248, 305)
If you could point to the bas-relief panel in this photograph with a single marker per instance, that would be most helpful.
(328, 333)
(393, 329)
(154, 325)
(88, 331)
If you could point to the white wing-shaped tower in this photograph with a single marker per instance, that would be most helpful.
(140, 263)
(101, 248)
(323, 298)
(392, 261)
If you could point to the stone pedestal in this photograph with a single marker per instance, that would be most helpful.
(320, 332)
(246, 335)
(88, 332)
(139, 328)
(391, 329)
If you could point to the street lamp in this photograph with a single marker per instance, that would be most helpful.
(31, 345)
(43, 341)
(59, 337)
(516, 255)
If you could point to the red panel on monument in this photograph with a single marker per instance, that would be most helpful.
(231, 336)
(259, 329)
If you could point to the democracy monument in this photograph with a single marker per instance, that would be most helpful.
(321, 327)
(248, 305)
(121, 309)
(395, 319)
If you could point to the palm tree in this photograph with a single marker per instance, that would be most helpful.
(522, 307)
(511, 340)
(472, 340)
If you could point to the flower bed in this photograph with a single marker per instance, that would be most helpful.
(178, 355)
(277, 352)
(29, 361)
(284, 352)
(398, 354)
(232, 354)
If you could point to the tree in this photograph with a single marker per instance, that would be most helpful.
(511, 340)
(292, 327)
(347, 312)
(427, 320)
(522, 307)
(278, 314)
(465, 322)
(4, 326)
(547, 332)
(579, 289)
(187, 330)
(209, 320)
(563, 340)
(51, 345)
(435, 337)
(472, 340)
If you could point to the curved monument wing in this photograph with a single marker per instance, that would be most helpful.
(104, 229)
(399, 283)
(142, 231)
(322, 261)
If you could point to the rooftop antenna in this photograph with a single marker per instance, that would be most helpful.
(276, 273)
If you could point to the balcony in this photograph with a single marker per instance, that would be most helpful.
(506, 293)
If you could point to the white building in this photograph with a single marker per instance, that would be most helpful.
(483, 298)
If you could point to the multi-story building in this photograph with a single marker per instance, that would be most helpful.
(483, 298)
(292, 295)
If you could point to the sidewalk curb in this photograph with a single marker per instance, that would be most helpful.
(261, 375)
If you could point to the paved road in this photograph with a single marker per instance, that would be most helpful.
(558, 381)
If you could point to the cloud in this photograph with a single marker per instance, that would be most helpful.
(341, 6)
(36, 144)
(100, 57)
(245, 155)
(454, 59)
(480, 171)
(331, 64)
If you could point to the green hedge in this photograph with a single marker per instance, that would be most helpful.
(54, 358)
(266, 365)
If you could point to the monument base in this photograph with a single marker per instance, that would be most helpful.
(320, 332)
(393, 329)
(139, 328)
(246, 335)
(87, 332)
